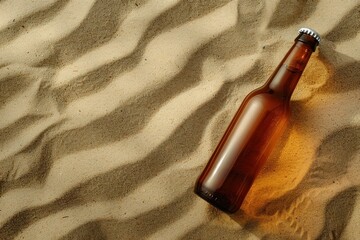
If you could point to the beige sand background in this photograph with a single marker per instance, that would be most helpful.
(110, 110)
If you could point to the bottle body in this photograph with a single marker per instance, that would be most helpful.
(243, 150)
(252, 134)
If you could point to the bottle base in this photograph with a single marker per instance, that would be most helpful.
(217, 200)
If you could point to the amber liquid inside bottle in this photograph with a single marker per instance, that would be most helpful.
(253, 132)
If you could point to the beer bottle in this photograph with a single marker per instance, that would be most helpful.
(254, 130)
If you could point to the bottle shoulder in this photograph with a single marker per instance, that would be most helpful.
(269, 93)
(268, 99)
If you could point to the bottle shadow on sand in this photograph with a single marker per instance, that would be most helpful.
(321, 205)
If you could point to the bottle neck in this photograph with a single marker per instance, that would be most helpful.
(286, 76)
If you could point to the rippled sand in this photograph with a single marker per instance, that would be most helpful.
(110, 110)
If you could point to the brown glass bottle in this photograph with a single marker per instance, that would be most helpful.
(254, 130)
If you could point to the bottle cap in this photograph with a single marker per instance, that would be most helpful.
(310, 32)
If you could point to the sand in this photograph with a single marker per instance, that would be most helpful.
(111, 109)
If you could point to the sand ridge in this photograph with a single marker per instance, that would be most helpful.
(110, 109)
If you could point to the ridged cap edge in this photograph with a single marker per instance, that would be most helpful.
(311, 32)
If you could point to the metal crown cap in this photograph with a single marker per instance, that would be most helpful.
(310, 32)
